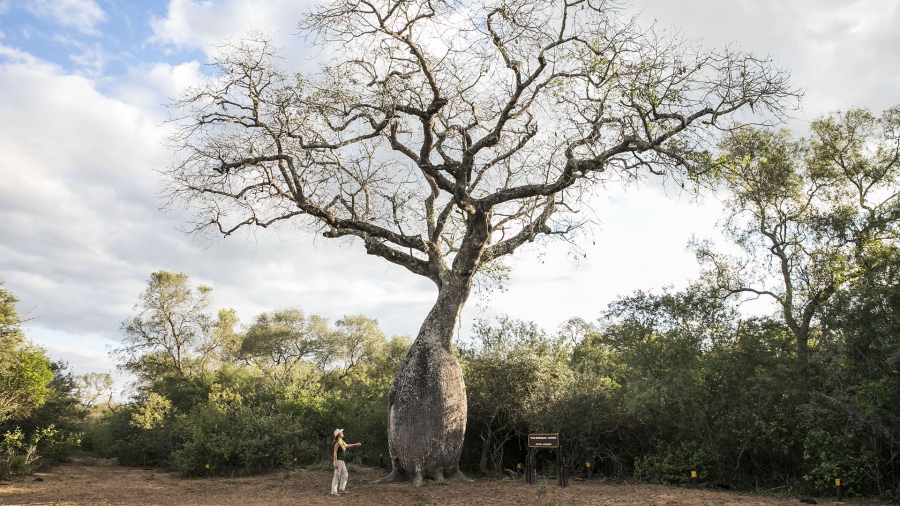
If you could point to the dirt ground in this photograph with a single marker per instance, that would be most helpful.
(90, 482)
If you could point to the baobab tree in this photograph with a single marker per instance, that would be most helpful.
(445, 135)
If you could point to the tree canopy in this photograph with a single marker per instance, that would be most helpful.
(809, 215)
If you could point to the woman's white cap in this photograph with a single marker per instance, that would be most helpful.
(337, 431)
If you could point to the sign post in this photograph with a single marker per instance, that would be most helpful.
(543, 440)
(550, 441)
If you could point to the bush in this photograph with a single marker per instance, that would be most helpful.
(17, 457)
(21, 455)
(831, 456)
(673, 464)
(126, 435)
(235, 439)
(55, 445)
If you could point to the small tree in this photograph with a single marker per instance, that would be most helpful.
(505, 368)
(444, 136)
(173, 333)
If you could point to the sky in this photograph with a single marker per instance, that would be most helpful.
(83, 88)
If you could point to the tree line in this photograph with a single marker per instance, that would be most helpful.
(665, 383)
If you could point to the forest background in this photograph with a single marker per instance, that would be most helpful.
(665, 382)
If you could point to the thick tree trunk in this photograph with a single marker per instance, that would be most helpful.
(427, 401)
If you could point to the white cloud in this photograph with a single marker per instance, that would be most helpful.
(840, 52)
(207, 24)
(150, 87)
(91, 60)
(83, 15)
(77, 170)
(13, 55)
(849, 63)
(85, 355)
(201, 24)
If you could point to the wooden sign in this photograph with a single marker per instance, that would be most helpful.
(543, 440)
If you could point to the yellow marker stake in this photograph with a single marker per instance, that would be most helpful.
(693, 474)
(207, 466)
(587, 464)
(837, 482)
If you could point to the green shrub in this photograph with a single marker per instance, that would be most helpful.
(673, 464)
(23, 455)
(235, 439)
(18, 455)
(125, 435)
(55, 445)
(832, 456)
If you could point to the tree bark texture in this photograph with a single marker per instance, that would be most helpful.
(427, 401)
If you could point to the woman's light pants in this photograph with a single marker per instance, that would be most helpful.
(340, 478)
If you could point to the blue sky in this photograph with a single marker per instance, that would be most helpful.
(96, 38)
(83, 86)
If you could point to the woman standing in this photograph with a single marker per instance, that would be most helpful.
(340, 468)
